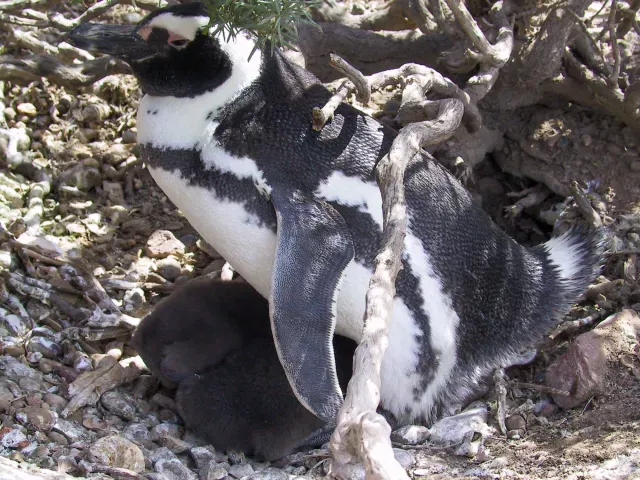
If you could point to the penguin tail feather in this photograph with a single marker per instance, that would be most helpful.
(577, 256)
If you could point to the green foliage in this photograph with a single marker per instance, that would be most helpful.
(272, 21)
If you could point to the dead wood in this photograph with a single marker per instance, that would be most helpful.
(35, 67)
(501, 395)
(361, 434)
(585, 205)
(370, 52)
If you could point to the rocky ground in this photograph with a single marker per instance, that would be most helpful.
(89, 244)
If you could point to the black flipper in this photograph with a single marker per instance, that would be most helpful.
(314, 248)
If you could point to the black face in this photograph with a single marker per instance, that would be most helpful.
(165, 63)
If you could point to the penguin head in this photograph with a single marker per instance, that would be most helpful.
(171, 54)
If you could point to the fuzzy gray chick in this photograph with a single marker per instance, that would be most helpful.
(211, 339)
(298, 213)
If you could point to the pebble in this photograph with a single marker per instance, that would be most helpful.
(452, 430)
(27, 109)
(72, 430)
(138, 432)
(169, 268)
(92, 422)
(12, 437)
(16, 326)
(118, 404)
(30, 385)
(203, 455)
(114, 192)
(166, 429)
(5, 259)
(82, 363)
(162, 453)
(516, 422)
(174, 444)
(82, 177)
(129, 136)
(41, 419)
(268, 474)
(240, 470)
(173, 469)
(58, 438)
(410, 435)
(404, 458)
(584, 368)
(163, 243)
(212, 472)
(15, 370)
(47, 347)
(117, 451)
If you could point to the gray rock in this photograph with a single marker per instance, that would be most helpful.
(15, 370)
(129, 136)
(117, 451)
(240, 470)
(212, 471)
(162, 453)
(72, 431)
(56, 402)
(174, 444)
(404, 458)
(269, 474)
(34, 357)
(12, 437)
(114, 192)
(169, 268)
(16, 325)
(82, 177)
(173, 469)
(11, 346)
(138, 432)
(516, 422)
(118, 404)
(155, 476)
(166, 429)
(163, 243)
(453, 430)
(58, 438)
(30, 385)
(410, 435)
(40, 418)
(5, 259)
(203, 455)
(46, 346)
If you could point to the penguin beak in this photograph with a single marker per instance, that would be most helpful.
(117, 40)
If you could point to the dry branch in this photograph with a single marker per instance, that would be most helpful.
(363, 89)
(585, 205)
(361, 434)
(615, 74)
(35, 67)
(322, 115)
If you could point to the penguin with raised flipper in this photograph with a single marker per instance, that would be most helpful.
(298, 213)
(212, 340)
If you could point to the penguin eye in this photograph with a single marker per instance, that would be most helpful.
(176, 40)
(179, 43)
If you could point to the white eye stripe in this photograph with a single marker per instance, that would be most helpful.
(186, 27)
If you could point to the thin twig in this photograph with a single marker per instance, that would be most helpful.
(322, 115)
(363, 89)
(93, 11)
(615, 74)
(501, 395)
(585, 205)
(542, 388)
(573, 325)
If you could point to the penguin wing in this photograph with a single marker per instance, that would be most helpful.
(313, 249)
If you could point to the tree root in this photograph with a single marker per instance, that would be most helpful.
(574, 325)
(499, 379)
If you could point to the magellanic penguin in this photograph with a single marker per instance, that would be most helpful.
(212, 340)
(298, 213)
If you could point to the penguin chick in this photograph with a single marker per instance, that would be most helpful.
(212, 339)
(197, 326)
(246, 403)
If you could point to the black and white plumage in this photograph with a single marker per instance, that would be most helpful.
(232, 146)
(212, 340)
